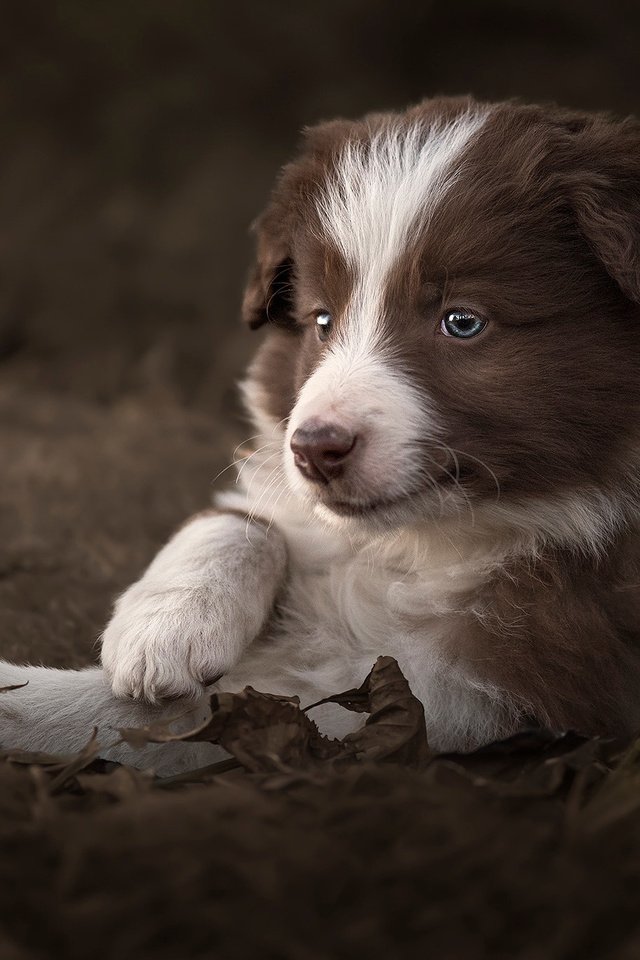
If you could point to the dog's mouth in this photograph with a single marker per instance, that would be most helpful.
(362, 508)
(378, 507)
(337, 499)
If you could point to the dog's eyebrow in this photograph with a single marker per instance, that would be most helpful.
(431, 292)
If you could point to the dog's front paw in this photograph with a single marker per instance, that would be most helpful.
(163, 643)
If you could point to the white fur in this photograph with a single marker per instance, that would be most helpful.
(206, 595)
(382, 197)
(59, 709)
(255, 399)
(586, 521)
(347, 599)
(362, 391)
(348, 594)
(344, 602)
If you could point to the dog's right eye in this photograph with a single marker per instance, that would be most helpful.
(323, 324)
(462, 324)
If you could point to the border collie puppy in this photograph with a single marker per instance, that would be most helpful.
(446, 470)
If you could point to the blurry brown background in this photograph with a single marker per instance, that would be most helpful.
(138, 142)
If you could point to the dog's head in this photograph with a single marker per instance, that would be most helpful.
(453, 302)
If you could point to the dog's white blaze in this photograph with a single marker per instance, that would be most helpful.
(384, 193)
(381, 196)
(362, 391)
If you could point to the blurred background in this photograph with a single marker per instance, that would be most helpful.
(139, 140)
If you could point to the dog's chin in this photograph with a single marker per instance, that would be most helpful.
(371, 513)
(362, 508)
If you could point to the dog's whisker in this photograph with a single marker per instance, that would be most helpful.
(254, 477)
(469, 456)
(283, 491)
(269, 484)
(244, 443)
(280, 422)
(244, 460)
(456, 480)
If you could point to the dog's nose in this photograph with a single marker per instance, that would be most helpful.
(320, 449)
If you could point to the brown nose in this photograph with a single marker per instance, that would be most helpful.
(320, 449)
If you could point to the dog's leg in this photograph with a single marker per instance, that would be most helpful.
(205, 596)
(57, 711)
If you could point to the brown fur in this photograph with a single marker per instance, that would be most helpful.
(541, 236)
(553, 634)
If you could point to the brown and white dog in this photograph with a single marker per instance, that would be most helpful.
(448, 461)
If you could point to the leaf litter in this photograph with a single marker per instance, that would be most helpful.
(266, 734)
(539, 802)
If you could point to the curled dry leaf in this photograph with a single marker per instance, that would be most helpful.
(58, 770)
(268, 733)
(113, 781)
(138, 737)
(14, 686)
(532, 764)
(75, 764)
(395, 728)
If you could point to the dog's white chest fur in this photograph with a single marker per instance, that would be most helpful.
(344, 603)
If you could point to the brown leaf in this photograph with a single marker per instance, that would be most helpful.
(266, 733)
(116, 783)
(57, 765)
(14, 686)
(35, 758)
(138, 737)
(618, 796)
(81, 760)
(269, 734)
(200, 775)
(395, 728)
(532, 763)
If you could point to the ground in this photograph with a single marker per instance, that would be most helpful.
(139, 141)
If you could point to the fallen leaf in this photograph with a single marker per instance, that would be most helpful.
(270, 734)
(266, 733)
(395, 728)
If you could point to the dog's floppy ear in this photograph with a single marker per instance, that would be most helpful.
(605, 196)
(268, 296)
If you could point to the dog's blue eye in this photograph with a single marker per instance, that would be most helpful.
(323, 324)
(461, 323)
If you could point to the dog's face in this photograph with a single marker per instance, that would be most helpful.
(452, 296)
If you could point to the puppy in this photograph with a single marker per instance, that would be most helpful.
(446, 470)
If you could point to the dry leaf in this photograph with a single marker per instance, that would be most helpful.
(533, 763)
(14, 686)
(395, 729)
(268, 733)
(114, 781)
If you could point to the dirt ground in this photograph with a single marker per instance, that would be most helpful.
(139, 141)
